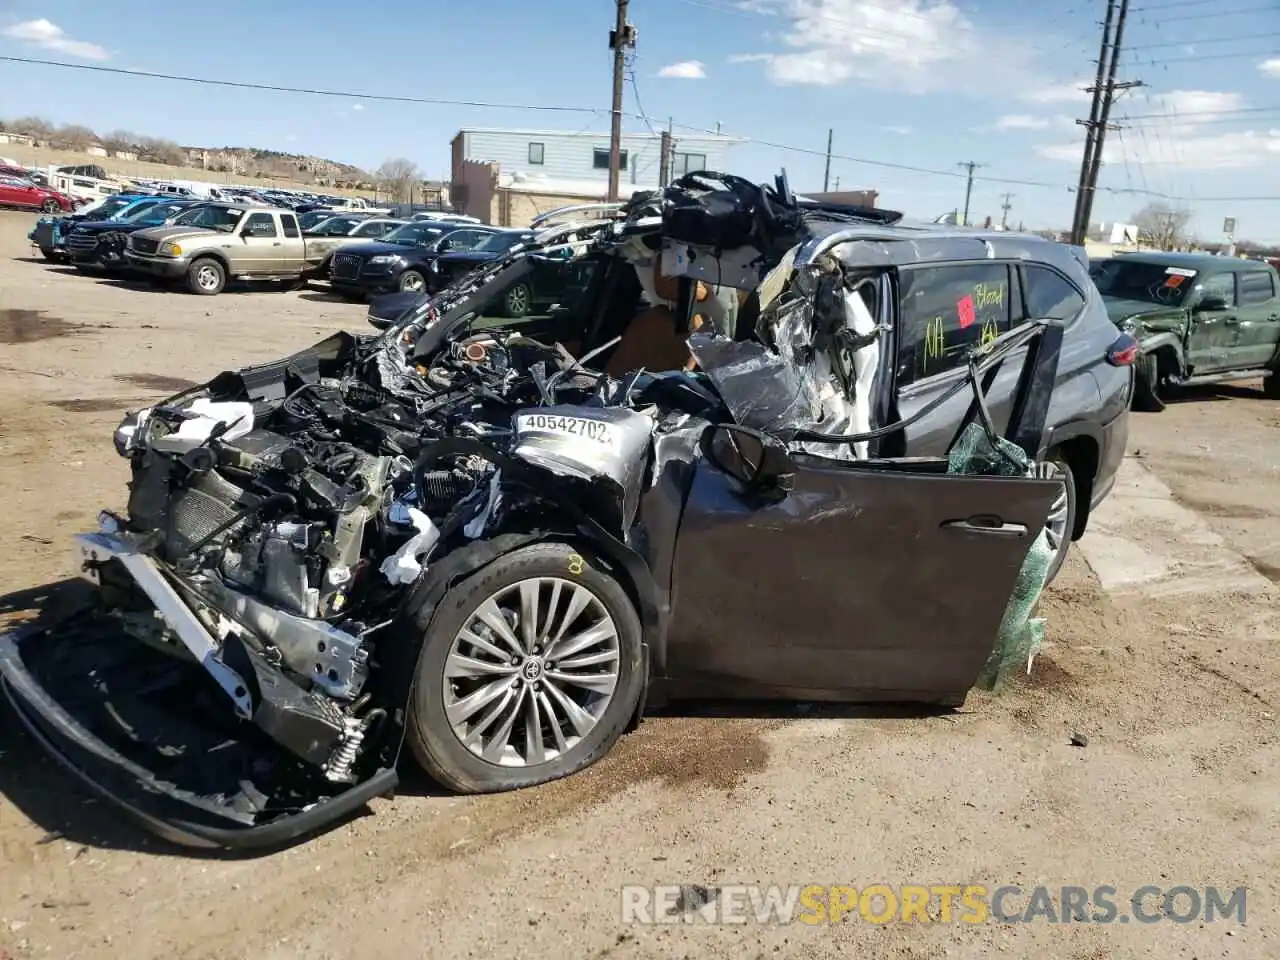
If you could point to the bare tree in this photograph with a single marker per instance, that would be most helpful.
(159, 150)
(74, 136)
(120, 140)
(36, 127)
(398, 176)
(1161, 225)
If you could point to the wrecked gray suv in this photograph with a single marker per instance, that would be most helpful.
(499, 543)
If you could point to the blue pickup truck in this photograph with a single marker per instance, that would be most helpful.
(50, 233)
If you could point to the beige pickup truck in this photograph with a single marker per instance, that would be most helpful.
(216, 242)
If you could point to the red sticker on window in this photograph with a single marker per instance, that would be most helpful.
(964, 307)
(1174, 281)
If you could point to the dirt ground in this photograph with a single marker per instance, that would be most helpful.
(1176, 689)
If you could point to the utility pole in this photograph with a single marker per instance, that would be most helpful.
(1004, 211)
(664, 159)
(1096, 127)
(622, 36)
(826, 177)
(970, 165)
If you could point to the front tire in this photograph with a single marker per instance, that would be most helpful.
(206, 277)
(1146, 387)
(545, 693)
(412, 281)
(51, 206)
(1061, 524)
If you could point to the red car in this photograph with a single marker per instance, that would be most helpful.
(15, 192)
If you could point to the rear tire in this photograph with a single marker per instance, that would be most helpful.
(516, 302)
(518, 756)
(1061, 524)
(1271, 385)
(51, 206)
(206, 277)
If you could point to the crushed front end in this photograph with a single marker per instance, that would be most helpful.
(243, 674)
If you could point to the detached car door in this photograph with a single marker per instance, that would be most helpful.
(862, 584)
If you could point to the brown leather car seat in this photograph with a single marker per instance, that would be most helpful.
(653, 340)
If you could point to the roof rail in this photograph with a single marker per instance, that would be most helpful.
(577, 208)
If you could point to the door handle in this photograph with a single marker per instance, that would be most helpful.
(988, 526)
(1231, 321)
(276, 243)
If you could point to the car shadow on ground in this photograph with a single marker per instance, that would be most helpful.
(1216, 391)
(63, 808)
(326, 296)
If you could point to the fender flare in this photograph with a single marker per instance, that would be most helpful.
(1166, 341)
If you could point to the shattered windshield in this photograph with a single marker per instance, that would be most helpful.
(414, 235)
(221, 219)
(1147, 282)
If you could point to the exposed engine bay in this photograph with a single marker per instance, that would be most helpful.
(282, 518)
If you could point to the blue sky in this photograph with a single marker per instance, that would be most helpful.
(913, 82)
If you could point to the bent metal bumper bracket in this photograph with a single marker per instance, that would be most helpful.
(158, 805)
(97, 548)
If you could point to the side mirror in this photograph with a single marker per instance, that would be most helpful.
(1212, 302)
(756, 460)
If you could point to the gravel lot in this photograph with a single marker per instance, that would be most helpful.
(1170, 674)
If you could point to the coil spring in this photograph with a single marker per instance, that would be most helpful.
(338, 768)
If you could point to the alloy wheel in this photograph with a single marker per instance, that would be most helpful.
(207, 277)
(1060, 512)
(412, 283)
(531, 672)
(518, 300)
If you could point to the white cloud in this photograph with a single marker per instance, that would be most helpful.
(1270, 67)
(1021, 121)
(1179, 140)
(899, 130)
(357, 106)
(49, 36)
(1059, 92)
(684, 70)
(913, 44)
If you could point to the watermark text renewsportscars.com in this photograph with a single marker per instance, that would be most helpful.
(880, 903)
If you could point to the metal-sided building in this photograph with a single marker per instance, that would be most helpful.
(507, 177)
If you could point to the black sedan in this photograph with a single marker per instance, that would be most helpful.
(516, 302)
(402, 259)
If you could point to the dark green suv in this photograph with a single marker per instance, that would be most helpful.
(1199, 319)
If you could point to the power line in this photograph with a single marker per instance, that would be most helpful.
(1204, 113)
(1269, 8)
(1209, 56)
(595, 112)
(1176, 3)
(1199, 43)
(274, 88)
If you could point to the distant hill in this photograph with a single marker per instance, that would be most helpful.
(273, 164)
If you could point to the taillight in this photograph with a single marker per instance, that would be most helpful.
(1124, 352)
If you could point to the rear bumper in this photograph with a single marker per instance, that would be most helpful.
(157, 801)
(1111, 450)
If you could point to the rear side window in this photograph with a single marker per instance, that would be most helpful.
(946, 312)
(1256, 287)
(290, 224)
(1050, 296)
